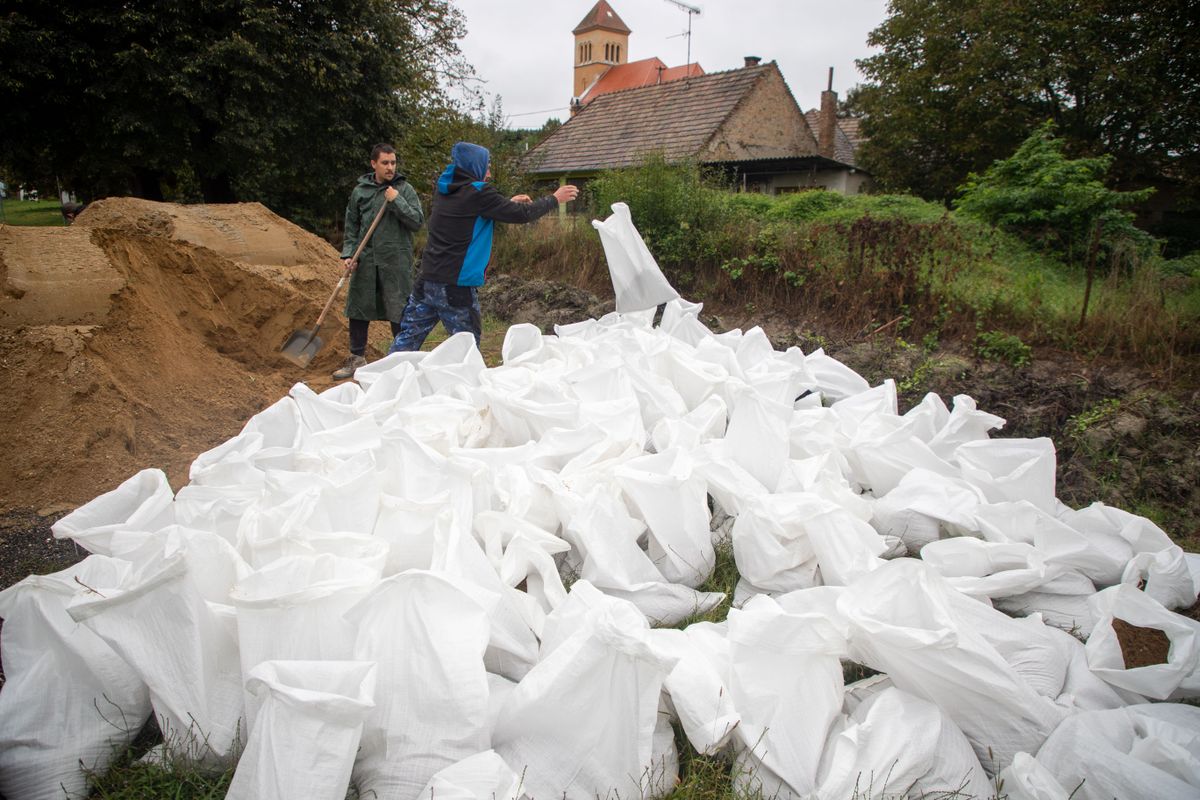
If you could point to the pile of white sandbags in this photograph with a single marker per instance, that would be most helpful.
(371, 584)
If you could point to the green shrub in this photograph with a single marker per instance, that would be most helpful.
(806, 206)
(1002, 347)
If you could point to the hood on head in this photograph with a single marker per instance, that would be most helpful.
(471, 159)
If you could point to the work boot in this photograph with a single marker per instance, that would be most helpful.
(346, 370)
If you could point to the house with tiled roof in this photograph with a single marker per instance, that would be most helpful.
(743, 121)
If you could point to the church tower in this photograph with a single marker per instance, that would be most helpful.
(601, 41)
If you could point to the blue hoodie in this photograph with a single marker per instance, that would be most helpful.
(465, 208)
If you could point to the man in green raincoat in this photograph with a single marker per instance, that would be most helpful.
(381, 279)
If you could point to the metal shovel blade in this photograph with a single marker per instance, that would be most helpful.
(302, 347)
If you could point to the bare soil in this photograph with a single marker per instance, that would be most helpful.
(1141, 647)
(143, 335)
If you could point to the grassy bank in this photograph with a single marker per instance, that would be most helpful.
(29, 212)
(853, 264)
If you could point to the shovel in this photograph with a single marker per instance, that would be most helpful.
(303, 345)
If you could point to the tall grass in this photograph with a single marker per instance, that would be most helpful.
(849, 264)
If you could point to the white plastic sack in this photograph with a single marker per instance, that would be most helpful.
(292, 609)
(896, 745)
(637, 280)
(671, 499)
(431, 703)
(905, 623)
(1026, 779)
(141, 503)
(483, 776)
(1158, 681)
(786, 684)
(1165, 576)
(185, 651)
(1150, 750)
(605, 672)
(1011, 469)
(308, 723)
(69, 702)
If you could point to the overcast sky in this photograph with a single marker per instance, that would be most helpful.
(522, 49)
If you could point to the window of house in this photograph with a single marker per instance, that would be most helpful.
(617, 53)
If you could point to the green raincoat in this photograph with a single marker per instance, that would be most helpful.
(380, 286)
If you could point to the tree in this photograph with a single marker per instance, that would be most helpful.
(958, 85)
(226, 100)
(1057, 202)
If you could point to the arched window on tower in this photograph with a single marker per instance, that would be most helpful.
(618, 54)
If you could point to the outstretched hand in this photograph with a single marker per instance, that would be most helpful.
(565, 194)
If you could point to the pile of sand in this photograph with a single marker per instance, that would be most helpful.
(145, 334)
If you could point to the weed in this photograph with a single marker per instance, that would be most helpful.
(1005, 348)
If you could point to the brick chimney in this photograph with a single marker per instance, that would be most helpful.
(752, 61)
(827, 124)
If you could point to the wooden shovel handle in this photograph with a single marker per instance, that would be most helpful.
(357, 253)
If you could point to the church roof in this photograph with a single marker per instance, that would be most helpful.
(601, 16)
(646, 72)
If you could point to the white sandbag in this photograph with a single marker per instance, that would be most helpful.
(308, 724)
(786, 684)
(638, 283)
(1026, 779)
(895, 744)
(141, 503)
(69, 703)
(697, 693)
(965, 424)
(292, 609)
(218, 509)
(1157, 681)
(757, 438)
(670, 498)
(905, 623)
(1164, 575)
(1063, 603)
(431, 704)
(185, 651)
(772, 545)
(605, 669)
(1149, 750)
(1008, 470)
(834, 379)
(406, 526)
(512, 648)
(729, 484)
(483, 776)
(1101, 557)
(452, 366)
(279, 424)
(214, 566)
(398, 362)
(678, 310)
(233, 463)
(924, 506)
(989, 569)
(703, 423)
(330, 409)
(883, 452)
(695, 379)
(392, 390)
(604, 538)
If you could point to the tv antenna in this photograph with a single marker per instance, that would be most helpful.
(692, 11)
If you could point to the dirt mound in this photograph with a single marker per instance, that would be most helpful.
(145, 334)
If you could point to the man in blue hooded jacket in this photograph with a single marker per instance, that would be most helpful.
(465, 209)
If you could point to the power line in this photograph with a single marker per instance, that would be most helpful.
(543, 111)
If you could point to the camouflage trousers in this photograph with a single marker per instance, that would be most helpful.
(456, 307)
